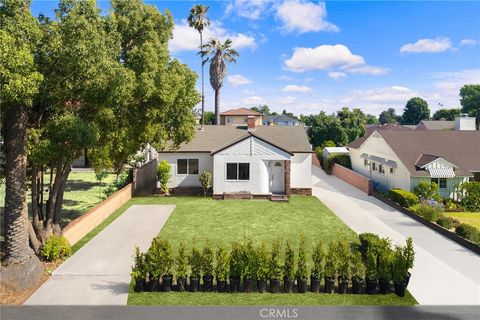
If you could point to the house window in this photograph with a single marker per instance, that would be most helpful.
(229, 120)
(374, 166)
(441, 182)
(238, 171)
(392, 170)
(187, 166)
(365, 162)
(381, 169)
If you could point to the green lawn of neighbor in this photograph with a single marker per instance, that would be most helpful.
(223, 221)
(472, 218)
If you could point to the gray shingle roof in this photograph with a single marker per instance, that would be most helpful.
(213, 138)
(436, 125)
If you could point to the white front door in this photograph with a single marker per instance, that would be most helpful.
(277, 176)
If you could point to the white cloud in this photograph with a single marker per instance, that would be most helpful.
(297, 88)
(188, 39)
(237, 80)
(249, 9)
(337, 59)
(248, 92)
(284, 78)
(468, 42)
(337, 75)
(288, 100)
(301, 16)
(453, 81)
(427, 45)
(253, 100)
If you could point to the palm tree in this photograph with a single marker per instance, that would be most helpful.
(217, 53)
(198, 20)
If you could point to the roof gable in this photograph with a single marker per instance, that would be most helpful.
(241, 112)
(252, 145)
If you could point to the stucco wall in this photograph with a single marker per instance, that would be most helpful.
(301, 170)
(205, 162)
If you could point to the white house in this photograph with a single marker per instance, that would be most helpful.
(258, 161)
(331, 150)
(404, 158)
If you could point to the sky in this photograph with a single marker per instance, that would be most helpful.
(310, 56)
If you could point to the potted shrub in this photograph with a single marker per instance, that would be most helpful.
(236, 266)
(207, 267)
(371, 272)
(221, 269)
(384, 266)
(139, 270)
(181, 263)
(163, 175)
(318, 257)
(166, 256)
(342, 253)
(249, 266)
(154, 262)
(288, 268)
(410, 258)
(399, 271)
(358, 272)
(262, 267)
(275, 268)
(330, 269)
(195, 261)
(302, 272)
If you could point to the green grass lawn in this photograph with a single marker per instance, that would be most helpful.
(229, 220)
(472, 218)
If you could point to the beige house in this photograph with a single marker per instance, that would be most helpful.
(240, 116)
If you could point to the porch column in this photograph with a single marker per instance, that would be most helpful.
(287, 188)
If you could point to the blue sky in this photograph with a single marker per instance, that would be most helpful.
(308, 56)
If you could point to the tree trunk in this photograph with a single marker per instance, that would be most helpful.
(203, 83)
(217, 107)
(22, 267)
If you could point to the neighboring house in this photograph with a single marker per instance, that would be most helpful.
(404, 158)
(330, 150)
(239, 117)
(464, 122)
(280, 120)
(82, 161)
(370, 128)
(258, 161)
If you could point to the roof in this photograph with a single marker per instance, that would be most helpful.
(415, 147)
(425, 159)
(372, 128)
(335, 150)
(280, 118)
(241, 112)
(215, 138)
(436, 125)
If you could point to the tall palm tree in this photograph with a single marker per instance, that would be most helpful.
(217, 53)
(198, 20)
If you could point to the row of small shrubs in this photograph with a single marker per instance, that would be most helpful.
(245, 266)
(340, 158)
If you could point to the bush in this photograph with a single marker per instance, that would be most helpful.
(262, 262)
(302, 272)
(159, 258)
(250, 260)
(56, 247)
(468, 232)
(207, 260)
(399, 265)
(139, 269)
(123, 179)
(384, 261)
(446, 222)
(275, 271)
(357, 266)
(318, 257)
(330, 262)
(403, 197)
(236, 265)
(469, 193)
(221, 268)
(342, 257)
(181, 261)
(450, 205)
(428, 212)
(163, 175)
(371, 265)
(427, 191)
(205, 179)
(340, 158)
(409, 253)
(196, 261)
(289, 265)
(369, 241)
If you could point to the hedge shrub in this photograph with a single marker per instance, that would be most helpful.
(56, 247)
(469, 193)
(340, 158)
(428, 212)
(446, 222)
(468, 232)
(403, 197)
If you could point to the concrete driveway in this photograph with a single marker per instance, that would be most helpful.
(99, 273)
(445, 273)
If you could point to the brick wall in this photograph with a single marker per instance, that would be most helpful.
(315, 160)
(287, 178)
(302, 191)
(353, 178)
(79, 227)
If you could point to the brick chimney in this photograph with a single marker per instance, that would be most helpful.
(251, 123)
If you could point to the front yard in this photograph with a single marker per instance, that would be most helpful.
(472, 218)
(222, 222)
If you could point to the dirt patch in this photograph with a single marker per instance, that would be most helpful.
(9, 296)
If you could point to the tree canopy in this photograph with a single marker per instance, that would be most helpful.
(415, 111)
(389, 116)
(447, 114)
(470, 100)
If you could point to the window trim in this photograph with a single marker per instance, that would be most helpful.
(188, 167)
(238, 172)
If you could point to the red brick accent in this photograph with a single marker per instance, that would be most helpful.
(302, 191)
(251, 122)
(315, 161)
(188, 191)
(353, 178)
(237, 195)
(286, 181)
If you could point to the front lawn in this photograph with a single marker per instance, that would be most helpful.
(472, 218)
(223, 221)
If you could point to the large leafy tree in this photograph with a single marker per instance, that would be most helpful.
(470, 100)
(263, 109)
(353, 122)
(218, 53)
(323, 127)
(198, 20)
(389, 116)
(415, 111)
(19, 83)
(447, 114)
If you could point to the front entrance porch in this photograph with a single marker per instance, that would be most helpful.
(278, 177)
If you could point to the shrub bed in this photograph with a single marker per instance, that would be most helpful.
(468, 232)
(250, 267)
(403, 197)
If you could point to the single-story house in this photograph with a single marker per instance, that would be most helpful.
(404, 158)
(240, 116)
(280, 120)
(331, 150)
(259, 161)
